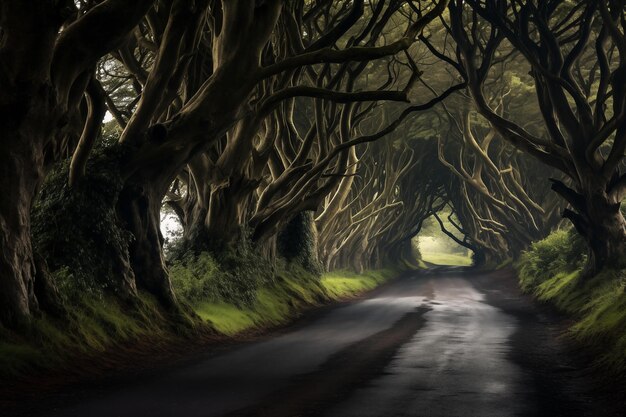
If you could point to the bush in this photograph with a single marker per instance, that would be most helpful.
(233, 276)
(297, 242)
(552, 271)
(193, 277)
(563, 251)
(77, 227)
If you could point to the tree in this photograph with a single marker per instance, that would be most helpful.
(575, 53)
(48, 51)
(195, 67)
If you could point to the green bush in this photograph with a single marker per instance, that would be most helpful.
(77, 229)
(194, 277)
(233, 276)
(563, 251)
(552, 271)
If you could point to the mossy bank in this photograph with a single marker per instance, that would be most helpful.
(552, 270)
(218, 298)
(235, 302)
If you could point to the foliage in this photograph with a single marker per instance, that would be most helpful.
(297, 242)
(551, 272)
(232, 275)
(560, 252)
(201, 277)
(194, 277)
(76, 229)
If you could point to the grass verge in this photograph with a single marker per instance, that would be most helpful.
(551, 271)
(95, 325)
(281, 301)
(90, 327)
(446, 259)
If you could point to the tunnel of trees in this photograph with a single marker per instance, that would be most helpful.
(318, 132)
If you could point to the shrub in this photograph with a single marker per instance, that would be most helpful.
(562, 251)
(232, 276)
(194, 277)
(77, 227)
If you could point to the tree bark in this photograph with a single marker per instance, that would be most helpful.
(604, 228)
(139, 209)
(228, 207)
(19, 179)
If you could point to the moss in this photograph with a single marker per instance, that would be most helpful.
(294, 289)
(76, 228)
(226, 318)
(597, 304)
(93, 324)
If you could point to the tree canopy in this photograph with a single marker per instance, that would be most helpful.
(321, 132)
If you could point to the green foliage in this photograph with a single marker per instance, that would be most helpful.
(76, 227)
(293, 289)
(232, 276)
(552, 271)
(194, 277)
(297, 242)
(561, 251)
(72, 287)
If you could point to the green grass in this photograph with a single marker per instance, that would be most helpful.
(439, 258)
(16, 358)
(597, 304)
(281, 302)
(343, 283)
(95, 324)
(226, 318)
(90, 326)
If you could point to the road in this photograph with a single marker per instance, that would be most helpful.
(441, 344)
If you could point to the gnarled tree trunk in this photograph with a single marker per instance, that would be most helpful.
(139, 209)
(597, 217)
(19, 179)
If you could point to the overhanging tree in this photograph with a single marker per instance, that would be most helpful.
(48, 51)
(583, 110)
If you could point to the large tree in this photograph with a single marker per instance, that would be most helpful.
(576, 55)
(195, 66)
(48, 51)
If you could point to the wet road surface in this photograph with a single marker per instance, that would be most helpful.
(439, 345)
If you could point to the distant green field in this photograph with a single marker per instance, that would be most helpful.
(438, 258)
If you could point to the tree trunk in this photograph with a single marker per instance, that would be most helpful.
(297, 241)
(139, 208)
(597, 217)
(227, 211)
(605, 233)
(195, 238)
(19, 179)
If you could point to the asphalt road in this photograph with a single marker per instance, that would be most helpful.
(445, 344)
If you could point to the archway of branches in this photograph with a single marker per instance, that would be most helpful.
(315, 132)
